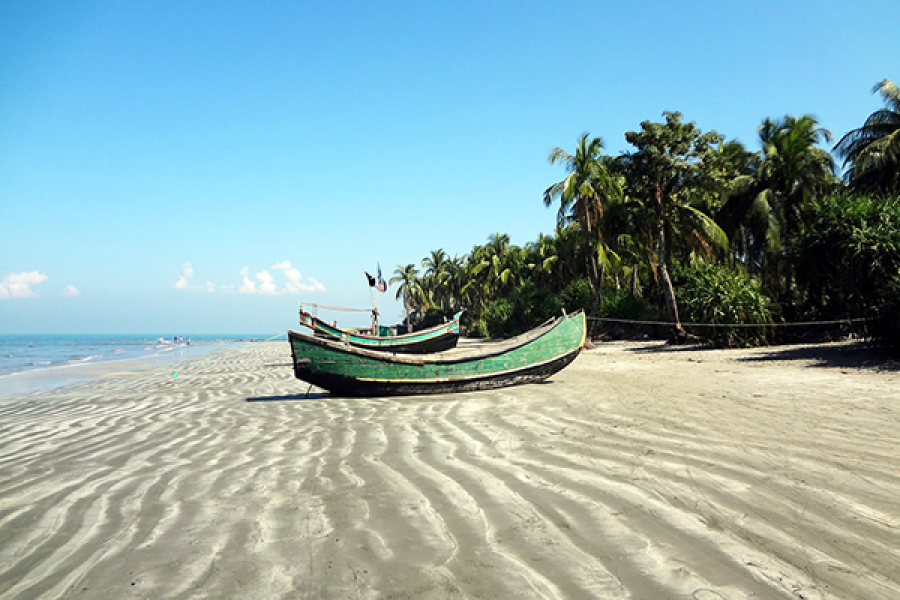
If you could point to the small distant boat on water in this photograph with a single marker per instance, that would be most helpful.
(435, 339)
(346, 370)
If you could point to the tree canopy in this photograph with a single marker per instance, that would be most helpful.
(691, 221)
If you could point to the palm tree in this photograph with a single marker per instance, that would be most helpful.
(793, 172)
(625, 237)
(583, 196)
(410, 289)
(543, 257)
(474, 291)
(436, 275)
(744, 212)
(873, 150)
(490, 271)
(571, 254)
(501, 261)
(455, 280)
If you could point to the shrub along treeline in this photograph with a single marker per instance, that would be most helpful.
(692, 228)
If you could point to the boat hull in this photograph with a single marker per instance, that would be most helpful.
(348, 371)
(343, 385)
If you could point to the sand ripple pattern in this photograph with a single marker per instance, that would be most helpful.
(632, 474)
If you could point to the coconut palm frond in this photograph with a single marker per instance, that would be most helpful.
(869, 150)
(890, 93)
(703, 228)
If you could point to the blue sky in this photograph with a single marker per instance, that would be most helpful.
(155, 157)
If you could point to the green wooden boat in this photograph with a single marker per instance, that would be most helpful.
(436, 339)
(346, 370)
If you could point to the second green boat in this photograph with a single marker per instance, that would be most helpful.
(435, 339)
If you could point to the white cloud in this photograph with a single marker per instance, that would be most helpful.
(267, 285)
(313, 285)
(261, 283)
(249, 287)
(187, 272)
(18, 285)
(184, 282)
(70, 291)
(291, 273)
(294, 285)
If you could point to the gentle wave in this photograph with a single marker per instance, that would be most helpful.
(83, 359)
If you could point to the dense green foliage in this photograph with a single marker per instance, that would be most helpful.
(888, 323)
(769, 236)
(520, 311)
(849, 259)
(710, 293)
(849, 253)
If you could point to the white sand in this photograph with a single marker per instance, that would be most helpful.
(638, 472)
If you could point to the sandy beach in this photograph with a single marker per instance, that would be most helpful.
(641, 471)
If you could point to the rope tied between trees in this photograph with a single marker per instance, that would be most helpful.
(794, 324)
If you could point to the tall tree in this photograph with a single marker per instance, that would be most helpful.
(873, 150)
(793, 172)
(502, 261)
(456, 280)
(661, 175)
(475, 289)
(436, 275)
(543, 258)
(745, 214)
(410, 288)
(582, 197)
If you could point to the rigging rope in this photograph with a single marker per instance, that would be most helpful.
(326, 307)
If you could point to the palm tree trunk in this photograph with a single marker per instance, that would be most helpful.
(595, 273)
(598, 289)
(406, 304)
(790, 226)
(665, 284)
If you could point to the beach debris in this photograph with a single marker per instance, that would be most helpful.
(175, 375)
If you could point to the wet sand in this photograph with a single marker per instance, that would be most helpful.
(640, 471)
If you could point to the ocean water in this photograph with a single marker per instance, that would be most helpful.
(32, 362)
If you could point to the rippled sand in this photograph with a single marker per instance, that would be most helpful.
(638, 472)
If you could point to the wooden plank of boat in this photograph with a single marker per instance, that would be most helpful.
(349, 371)
(436, 339)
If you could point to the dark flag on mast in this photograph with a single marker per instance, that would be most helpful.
(378, 283)
(381, 284)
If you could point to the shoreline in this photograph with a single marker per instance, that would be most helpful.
(641, 470)
(36, 378)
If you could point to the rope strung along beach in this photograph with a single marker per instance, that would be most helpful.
(793, 324)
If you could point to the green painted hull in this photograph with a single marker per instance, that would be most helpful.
(436, 339)
(348, 371)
